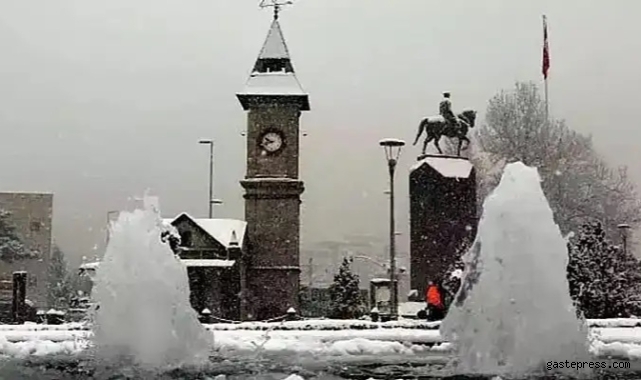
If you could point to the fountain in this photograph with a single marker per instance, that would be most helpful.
(142, 291)
(513, 312)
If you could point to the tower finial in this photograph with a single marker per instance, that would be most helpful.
(277, 4)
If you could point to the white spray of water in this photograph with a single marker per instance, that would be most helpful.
(513, 312)
(142, 291)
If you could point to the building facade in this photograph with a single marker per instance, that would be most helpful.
(208, 250)
(31, 214)
(212, 251)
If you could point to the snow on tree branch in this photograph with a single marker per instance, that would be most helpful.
(580, 186)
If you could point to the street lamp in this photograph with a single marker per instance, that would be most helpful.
(211, 201)
(623, 227)
(392, 149)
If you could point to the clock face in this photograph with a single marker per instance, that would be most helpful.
(271, 142)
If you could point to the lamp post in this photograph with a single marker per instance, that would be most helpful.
(392, 149)
(623, 227)
(211, 201)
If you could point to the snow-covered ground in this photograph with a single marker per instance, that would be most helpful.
(620, 338)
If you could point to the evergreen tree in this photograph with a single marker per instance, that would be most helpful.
(345, 296)
(452, 279)
(604, 281)
(11, 246)
(60, 283)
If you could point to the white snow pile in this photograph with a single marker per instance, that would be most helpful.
(30, 326)
(307, 325)
(617, 338)
(326, 324)
(615, 322)
(39, 347)
(614, 342)
(238, 342)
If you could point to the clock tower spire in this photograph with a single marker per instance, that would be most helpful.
(274, 100)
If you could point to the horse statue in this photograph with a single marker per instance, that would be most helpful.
(436, 127)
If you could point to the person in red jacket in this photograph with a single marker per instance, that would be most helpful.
(434, 299)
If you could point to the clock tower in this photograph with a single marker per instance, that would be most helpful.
(274, 100)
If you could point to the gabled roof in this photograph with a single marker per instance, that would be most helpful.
(449, 167)
(274, 46)
(220, 230)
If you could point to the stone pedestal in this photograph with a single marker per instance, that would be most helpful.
(443, 215)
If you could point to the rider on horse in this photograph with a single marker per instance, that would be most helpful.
(445, 110)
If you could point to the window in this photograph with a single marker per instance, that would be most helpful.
(186, 239)
(35, 226)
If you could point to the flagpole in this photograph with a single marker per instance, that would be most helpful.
(546, 66)
(547, 103)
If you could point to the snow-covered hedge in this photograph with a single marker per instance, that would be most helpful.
(326, 324)
(314, 324)
(615, 322)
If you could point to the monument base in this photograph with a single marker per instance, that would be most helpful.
(424, 156)
(442, 215)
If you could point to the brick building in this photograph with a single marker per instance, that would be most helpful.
(31, 214)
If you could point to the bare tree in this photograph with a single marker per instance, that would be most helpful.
(578, 183)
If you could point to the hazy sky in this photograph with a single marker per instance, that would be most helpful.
(100, 100)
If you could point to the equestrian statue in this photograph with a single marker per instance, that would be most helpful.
(446, 124)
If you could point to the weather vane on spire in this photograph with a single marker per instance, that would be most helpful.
(277, 4)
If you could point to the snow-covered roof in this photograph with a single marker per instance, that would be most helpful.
(273, 83)
(219, 229)
(274, 46)
(26, 192)
(449, 167)
(270, 179)
(210, 263)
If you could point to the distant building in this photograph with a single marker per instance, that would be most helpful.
(31, 214)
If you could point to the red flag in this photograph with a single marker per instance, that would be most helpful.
(546, 49)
